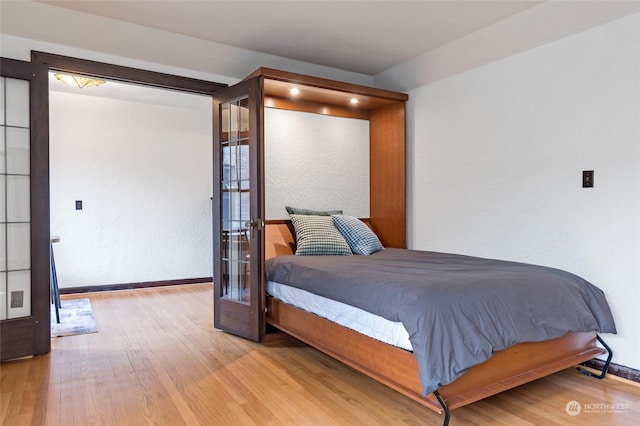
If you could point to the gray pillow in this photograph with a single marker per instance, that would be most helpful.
(295, 210)
(318, 236)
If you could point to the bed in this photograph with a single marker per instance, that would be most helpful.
(428, 373)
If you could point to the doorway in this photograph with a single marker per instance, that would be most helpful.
(38, 333)
(130, 182)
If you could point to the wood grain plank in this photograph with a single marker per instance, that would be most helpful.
(158, 360)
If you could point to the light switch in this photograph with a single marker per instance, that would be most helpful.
(587, 178)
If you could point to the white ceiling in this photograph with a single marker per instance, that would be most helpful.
(397, 45)
(366, 37)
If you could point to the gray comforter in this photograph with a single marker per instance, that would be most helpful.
(458, 310)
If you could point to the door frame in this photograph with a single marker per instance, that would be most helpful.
(42, 64)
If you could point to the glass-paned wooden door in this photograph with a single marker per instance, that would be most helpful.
(238, 208)
(15, 255)
(24, 328)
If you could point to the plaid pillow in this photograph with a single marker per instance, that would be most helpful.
(359, 236)
(318, 236)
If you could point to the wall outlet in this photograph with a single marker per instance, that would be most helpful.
(17, 299)
(587, 178)
(78, 204)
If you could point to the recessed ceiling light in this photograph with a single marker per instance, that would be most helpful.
(294, 91)
(354, 101)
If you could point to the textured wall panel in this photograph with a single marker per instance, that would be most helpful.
(317, 162)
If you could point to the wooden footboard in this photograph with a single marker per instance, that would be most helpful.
(398, 368)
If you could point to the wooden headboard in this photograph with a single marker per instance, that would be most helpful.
(278, 238)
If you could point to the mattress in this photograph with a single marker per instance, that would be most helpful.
(458, 310)
(374, 326)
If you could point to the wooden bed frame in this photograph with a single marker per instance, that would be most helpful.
(398, 368)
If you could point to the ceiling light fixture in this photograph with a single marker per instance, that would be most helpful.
(79, 80)
(354, 101)
(294, 91)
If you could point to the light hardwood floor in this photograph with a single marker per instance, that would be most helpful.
(158, 360)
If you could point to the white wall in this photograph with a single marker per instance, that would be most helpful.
(496, 156)
(143, 172)
(315, 161)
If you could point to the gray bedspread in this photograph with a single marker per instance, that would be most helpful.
(458, 310)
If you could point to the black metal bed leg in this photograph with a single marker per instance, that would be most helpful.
(447, 413)
(606, 364)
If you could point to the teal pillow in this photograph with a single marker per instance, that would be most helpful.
(295, 210)
(318, 236)
(361, 239)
